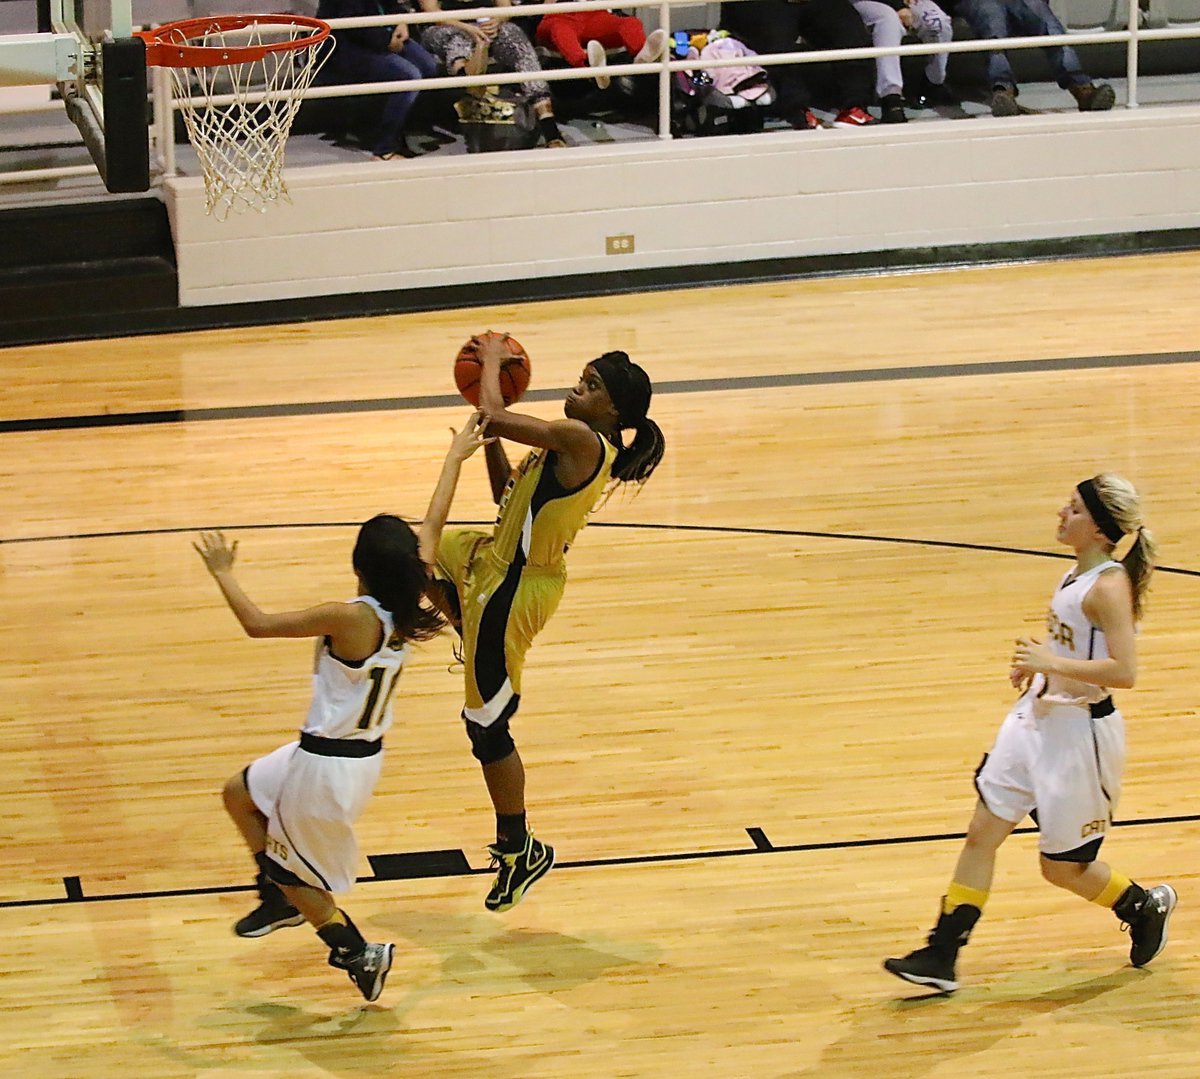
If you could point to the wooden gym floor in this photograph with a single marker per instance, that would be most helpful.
(750, 729)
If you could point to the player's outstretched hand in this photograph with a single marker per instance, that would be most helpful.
(470, 438)
(218, 555)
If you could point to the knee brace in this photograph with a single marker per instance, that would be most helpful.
(491, 743)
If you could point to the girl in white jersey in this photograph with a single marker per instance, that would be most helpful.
(1060, 753)
(296, 807)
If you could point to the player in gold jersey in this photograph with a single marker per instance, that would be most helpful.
(500, 589)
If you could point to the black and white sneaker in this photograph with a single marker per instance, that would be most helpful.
(1148, 929)
(368, 970)
(933, 967)
(274, 912)
(517, 873)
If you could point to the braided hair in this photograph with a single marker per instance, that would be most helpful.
(630, 390)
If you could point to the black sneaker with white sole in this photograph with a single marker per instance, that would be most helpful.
(274, 912)
(932, 967)
(368, 970)
(1148, 928)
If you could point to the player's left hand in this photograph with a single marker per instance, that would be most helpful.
(492, 347)
(1031, 657)
(470, 438)
(218, 555)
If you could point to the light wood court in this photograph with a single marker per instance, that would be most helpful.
(754, 715)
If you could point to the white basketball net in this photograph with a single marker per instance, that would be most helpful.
(238, 115)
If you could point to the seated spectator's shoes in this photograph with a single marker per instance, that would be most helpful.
(928, 95)
(854, 117)
(891, 108)
(1094, 97)
(368, 970)
(597, 57)
(933, 967)
(555, 144)
(656, 45)
(273, 913)
(807, 122)
(1148, 930)
(517, 873)
(1004, 102)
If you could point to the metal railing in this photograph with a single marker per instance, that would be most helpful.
(164, 106)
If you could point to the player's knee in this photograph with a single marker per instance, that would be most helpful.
(1061, 874)
(491, 743)
(235, 793)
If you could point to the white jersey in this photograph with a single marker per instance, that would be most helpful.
(354, 700)
(1073, 636)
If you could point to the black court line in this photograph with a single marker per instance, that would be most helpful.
(701, 385)
(649, 526)
(453, 863)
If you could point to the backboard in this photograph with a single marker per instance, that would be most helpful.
(86, 48)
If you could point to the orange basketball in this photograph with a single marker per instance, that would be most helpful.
(514, 370)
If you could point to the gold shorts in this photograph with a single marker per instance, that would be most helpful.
(503, 607)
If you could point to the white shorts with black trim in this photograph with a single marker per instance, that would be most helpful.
(1062, 765)
(311, 803)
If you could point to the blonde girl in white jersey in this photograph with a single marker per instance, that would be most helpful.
(296, 807)
(1060, 753)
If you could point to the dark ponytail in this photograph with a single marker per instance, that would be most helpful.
(630, 390)
(387, 559)
(635, 462)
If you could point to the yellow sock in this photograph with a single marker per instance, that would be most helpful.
(1113, 890)
(959, 894)
(338, 919)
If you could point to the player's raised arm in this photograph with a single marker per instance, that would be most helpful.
(462, 445)
(351, 627)
(572, 438)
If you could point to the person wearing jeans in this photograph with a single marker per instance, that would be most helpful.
(1030, 18)
(379, 54)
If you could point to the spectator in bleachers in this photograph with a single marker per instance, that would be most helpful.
(582, 38)
(889, 21)
(772, 26)
(379, 54)
(465, 48)
(1030, 18)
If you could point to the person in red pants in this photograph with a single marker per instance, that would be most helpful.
(581, 38)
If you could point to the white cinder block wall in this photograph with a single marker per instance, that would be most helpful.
(541, 213)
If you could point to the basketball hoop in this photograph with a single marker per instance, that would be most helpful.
(240, 80)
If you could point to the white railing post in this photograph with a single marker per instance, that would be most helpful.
(665, 75)
(1131, 53)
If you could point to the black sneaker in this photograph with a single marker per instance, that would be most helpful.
(1148, 930)
(933, 967)
(368, 970)
(891, 109)
(518, 872)
(928, 95)
(274, 912)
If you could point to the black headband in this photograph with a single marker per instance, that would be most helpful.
(629, 394)
(1099, 511)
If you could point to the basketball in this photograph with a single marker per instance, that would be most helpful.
(514, 370)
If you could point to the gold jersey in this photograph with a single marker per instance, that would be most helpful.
(538, 518)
